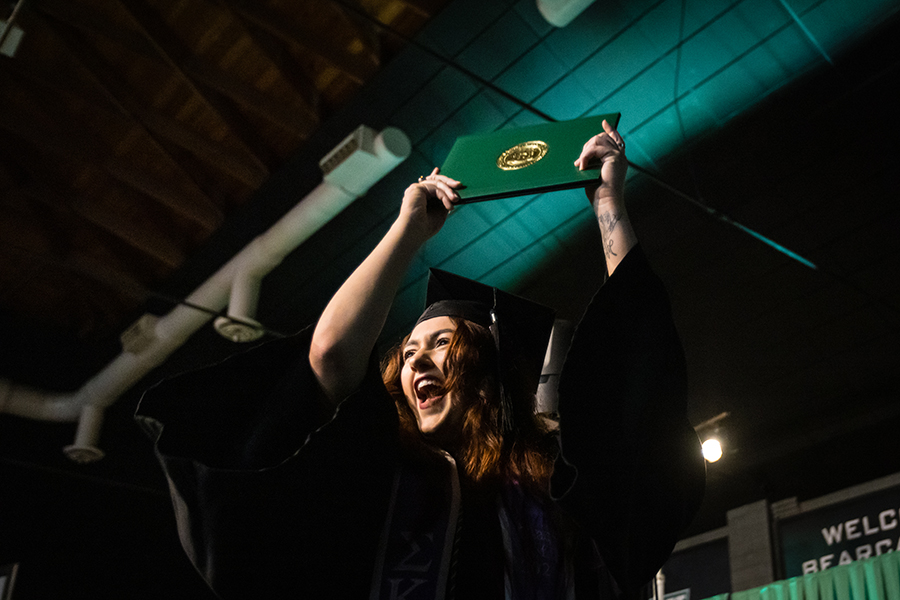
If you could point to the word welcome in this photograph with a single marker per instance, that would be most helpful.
(854, 529)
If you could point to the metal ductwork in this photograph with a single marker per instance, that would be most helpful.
(547, 397)
(353, 167)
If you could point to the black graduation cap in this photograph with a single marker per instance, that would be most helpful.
(521, 327)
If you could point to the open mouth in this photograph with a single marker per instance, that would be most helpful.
(429, 392)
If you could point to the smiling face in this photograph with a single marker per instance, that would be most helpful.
(423, 376)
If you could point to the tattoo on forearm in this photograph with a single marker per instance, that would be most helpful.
(608, 250)
(609, 221)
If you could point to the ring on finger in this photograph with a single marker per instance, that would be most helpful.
(421, 178)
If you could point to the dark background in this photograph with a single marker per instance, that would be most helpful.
(805, 362)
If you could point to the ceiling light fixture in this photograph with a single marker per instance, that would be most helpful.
(708, 431)
(712, 449)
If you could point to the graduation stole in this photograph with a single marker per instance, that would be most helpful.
(415, 554)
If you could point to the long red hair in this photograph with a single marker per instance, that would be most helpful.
(525, 457)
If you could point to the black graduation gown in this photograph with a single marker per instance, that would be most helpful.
(278, 496)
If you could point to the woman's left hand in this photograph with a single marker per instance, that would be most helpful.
(608, 150)
(607, 194)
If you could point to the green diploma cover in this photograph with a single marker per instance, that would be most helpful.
(525, 160)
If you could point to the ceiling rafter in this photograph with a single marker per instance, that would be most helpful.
(115, 264)
(111, 271)
(72, 297)
(177, 55)
(142, 236)
(310, 38)
(388, 20)
(79, 17)
(27, 237)
(106, 282)
(82, 149)
(366, 36)
(126, 171)
(54, 236)
(276, 52)
(432, 6)
(196, 203)
(240, 164)
(299, 122)
(92, 24)
(65, 83)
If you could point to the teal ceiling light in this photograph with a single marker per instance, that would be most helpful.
(674, 68)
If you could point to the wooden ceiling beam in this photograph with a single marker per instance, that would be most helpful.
(59, 82)
(415, 6)
(241, 164)
(144, 45)
(391, 22)
(176, 55)
(171, 196)
(141, 236)
(276, 52)
(34, 221)
(81, 148)
(238, 163)
(423, 8)
(52, 219)
(76, 16)
(298, 122)
(365, 32)
(310, 38)
(385, 7)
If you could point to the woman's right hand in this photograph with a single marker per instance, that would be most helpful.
(427, 203)
(349, 326)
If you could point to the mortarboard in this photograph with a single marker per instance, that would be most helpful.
(521, 327)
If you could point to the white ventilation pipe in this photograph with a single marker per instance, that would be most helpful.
(359, 162)
(547, 396)
(240, 325)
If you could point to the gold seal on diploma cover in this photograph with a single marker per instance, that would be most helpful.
(522, 155)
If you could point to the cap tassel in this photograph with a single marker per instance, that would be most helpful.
(506, 421)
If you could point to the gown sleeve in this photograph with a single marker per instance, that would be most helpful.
(623, 393)
(276, 494)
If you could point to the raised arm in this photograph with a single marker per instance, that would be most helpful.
(352, 321)
(623, 399)
(608, 196)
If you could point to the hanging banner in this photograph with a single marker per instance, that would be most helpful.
(838, 535)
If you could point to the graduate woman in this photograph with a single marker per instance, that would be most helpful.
(303, 469)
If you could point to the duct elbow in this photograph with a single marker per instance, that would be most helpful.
(240, 325)
(84, 450)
